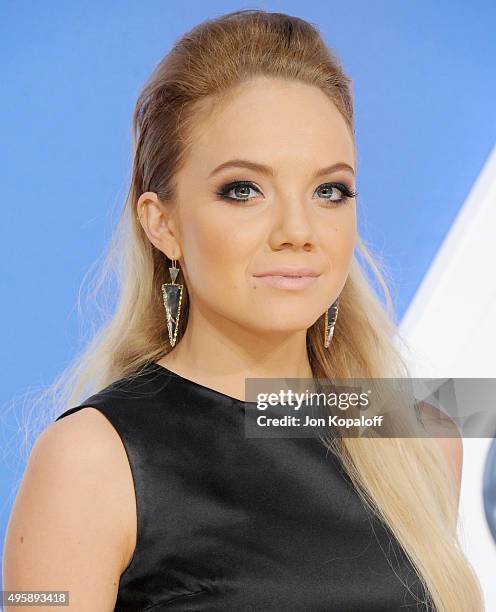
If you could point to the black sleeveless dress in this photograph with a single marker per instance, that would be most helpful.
(229, 523)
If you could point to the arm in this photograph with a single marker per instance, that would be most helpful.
(73, 523)
(450, 444)
(452, 449)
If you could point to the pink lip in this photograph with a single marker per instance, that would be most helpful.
(288, 277)
(289, 282)
(288, 271)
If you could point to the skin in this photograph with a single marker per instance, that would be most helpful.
(58, 537)
(73, 523)
(238, 326)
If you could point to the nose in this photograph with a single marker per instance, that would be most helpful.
(292, 225)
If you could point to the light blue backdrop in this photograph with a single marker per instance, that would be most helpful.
(424, 87)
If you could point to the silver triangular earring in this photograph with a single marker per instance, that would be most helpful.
(172, 293)
(331, 316)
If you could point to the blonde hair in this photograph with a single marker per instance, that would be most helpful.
(405, 481)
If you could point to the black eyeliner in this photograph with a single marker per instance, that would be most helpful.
(224, 190)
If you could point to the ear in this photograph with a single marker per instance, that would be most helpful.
(157, 221)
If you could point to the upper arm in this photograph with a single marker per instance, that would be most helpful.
(450, 442)
(452, 449)
(71, 524)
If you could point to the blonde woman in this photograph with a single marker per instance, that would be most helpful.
(145, 493)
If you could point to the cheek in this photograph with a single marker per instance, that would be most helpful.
(340, 241)
(217, 253)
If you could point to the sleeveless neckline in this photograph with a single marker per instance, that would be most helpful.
(229, 521)
(157, 367)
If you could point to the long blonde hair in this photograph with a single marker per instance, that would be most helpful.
(404, 480)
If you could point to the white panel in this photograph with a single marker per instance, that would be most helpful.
(450, 328)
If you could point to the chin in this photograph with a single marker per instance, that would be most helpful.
(283, 324)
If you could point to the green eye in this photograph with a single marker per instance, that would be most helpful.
(346, 192)
(226, 189)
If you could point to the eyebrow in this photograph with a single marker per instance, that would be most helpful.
(269, 171)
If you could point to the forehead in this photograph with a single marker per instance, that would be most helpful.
(283, 123)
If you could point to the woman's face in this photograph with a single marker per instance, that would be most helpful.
(235, 222)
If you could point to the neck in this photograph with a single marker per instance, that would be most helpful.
(221, 355)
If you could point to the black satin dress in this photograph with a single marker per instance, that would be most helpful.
(229, 523)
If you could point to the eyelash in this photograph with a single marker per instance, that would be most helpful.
(225, 189)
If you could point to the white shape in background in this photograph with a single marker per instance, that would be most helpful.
(450, 329)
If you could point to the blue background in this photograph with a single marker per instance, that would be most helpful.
(423, 80)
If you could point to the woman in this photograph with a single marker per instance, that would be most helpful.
(147, 494)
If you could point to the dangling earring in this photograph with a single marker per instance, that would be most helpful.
(331, 316)
(172, 294)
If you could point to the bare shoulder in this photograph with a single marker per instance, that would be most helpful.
(440, 423)
(73, 523)
(448, 438)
